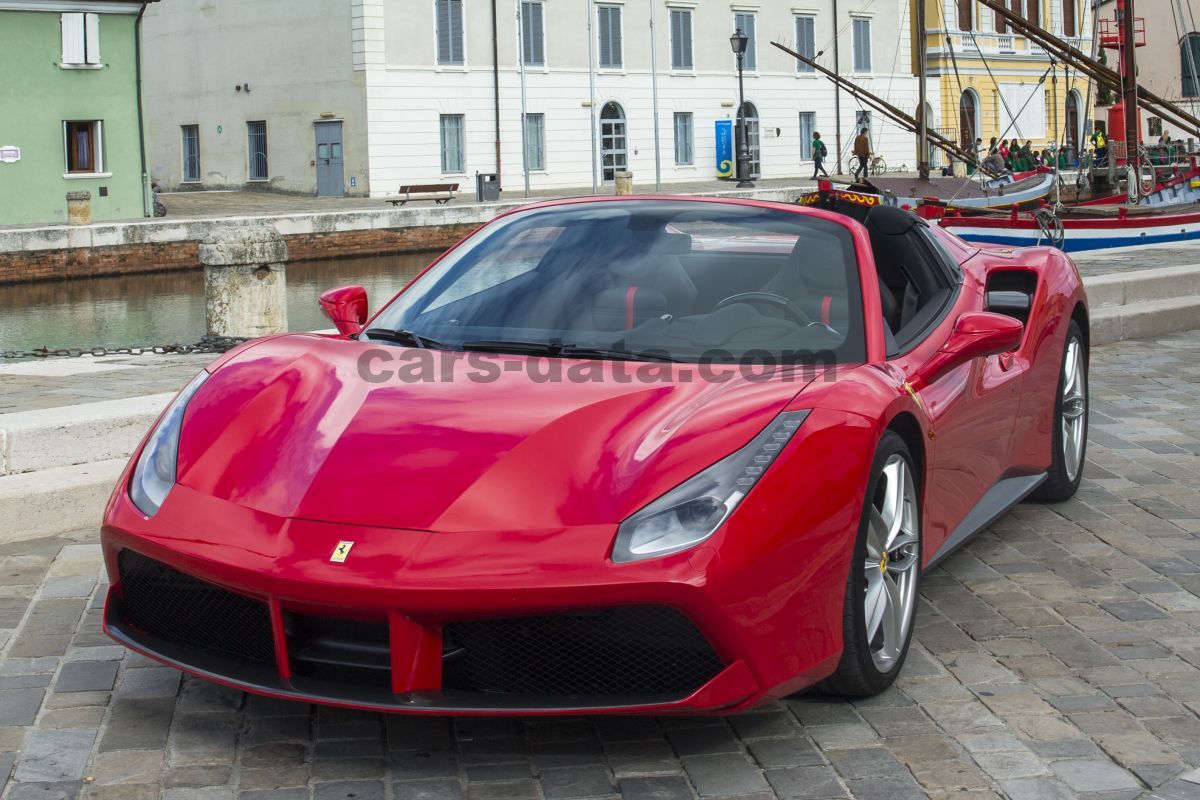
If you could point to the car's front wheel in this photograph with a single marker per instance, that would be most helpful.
(881, 593)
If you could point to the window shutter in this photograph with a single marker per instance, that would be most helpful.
(456, 32)
(685, 37)
(805, 42)
(72, 38)
(443, 31)
(602, 31)
(449, 32)
(745, 22)
(92, 37)
(676, 50)
(615, 30)
(538, 34)
(1034, 12)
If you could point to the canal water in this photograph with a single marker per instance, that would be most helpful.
(168, 308)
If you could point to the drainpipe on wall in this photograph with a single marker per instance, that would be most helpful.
(137, 67)
(496, 86)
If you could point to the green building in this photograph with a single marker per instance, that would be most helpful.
(69, 113)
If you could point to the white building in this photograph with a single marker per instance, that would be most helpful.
(246, 92)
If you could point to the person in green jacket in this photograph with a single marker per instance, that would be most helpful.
(818, 155)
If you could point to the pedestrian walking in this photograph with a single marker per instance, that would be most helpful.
(862, 151)
(818, 155)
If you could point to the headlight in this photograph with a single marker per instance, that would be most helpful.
(154, 474)
(689, 513)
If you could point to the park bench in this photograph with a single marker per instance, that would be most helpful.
(440, 193)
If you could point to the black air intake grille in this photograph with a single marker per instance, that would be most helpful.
(165, 602)
(619, 651)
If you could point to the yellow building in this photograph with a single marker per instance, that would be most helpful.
(985, 80)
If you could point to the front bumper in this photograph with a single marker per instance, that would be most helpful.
(411, 587)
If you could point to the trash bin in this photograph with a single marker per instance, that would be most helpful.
(487, 187)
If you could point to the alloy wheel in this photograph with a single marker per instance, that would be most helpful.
(1074, 408)
(893, 550)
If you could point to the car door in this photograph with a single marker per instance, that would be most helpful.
(970, 410)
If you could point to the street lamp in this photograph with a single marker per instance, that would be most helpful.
(738, 42)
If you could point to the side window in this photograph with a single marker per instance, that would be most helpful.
(948, 262)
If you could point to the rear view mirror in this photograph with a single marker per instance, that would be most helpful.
(346, 307)
(976, 334)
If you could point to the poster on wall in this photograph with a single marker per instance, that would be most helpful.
(724, 138)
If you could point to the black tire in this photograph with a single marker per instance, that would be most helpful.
(1059, 485)
(857, 674)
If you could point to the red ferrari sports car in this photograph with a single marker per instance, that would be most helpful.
(641, 455)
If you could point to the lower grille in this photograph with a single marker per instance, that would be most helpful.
(335, 649)
(619, 651)
(165, 602)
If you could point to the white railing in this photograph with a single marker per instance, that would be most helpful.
(1006, 44)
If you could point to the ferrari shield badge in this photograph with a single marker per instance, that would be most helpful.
(340, 552)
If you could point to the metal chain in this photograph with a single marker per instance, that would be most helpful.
(208, 344)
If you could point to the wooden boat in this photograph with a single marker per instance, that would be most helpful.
(1021, 189)
(1077, 228)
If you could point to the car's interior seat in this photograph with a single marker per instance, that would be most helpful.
(909, 285)
(647, 282)
(814, 279)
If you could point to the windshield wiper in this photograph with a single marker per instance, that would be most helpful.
(575, 351)
(403, 336)
(560, 350)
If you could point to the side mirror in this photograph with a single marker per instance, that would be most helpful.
(976, 334)
(346, 306)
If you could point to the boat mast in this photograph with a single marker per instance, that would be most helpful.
(923, 135)
(1129, 93)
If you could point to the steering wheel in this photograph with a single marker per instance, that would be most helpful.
(777, 300)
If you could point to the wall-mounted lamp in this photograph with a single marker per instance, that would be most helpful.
(726, 104)
(244, 87)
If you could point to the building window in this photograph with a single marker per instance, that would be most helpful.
(684, 147)
(191, 153)
(966, 16)
(1068, 14)
(610, 36)
(80, 39)
(1189, 57)
(533, 33)
(1154, 126)
(808, 126)
(806, 41)
(453, 154)
(681, 39)
(449, 32)
(1033, 11)
(744, 22)
(535, 141)
(862, 45)
(256, 133)
(84, 141)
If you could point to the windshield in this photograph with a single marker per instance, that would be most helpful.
(679, 280)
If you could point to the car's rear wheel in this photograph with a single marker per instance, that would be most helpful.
(1070, 421)
(885, 573)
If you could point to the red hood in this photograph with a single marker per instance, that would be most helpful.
(290, 428)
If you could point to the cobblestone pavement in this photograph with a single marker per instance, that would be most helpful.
(1057, 656)
(1124, 259)
(56, 382)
